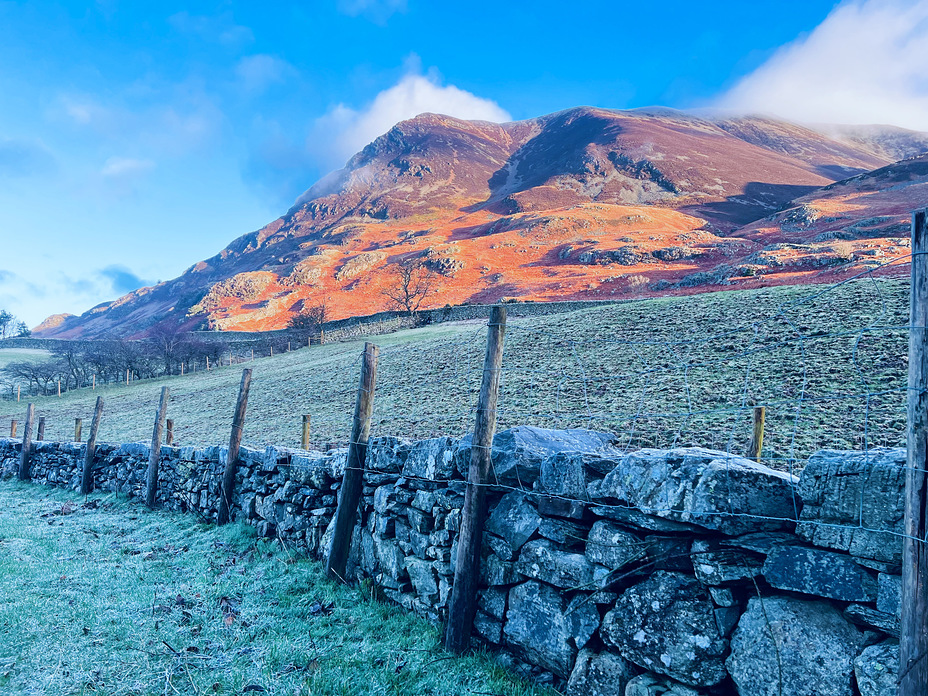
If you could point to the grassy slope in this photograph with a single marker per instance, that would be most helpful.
(682, 370)
(117, 600)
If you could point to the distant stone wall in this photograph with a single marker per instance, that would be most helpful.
(685, 572)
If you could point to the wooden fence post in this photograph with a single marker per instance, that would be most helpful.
(757, 436)
(353, 479)
(40, 432)
(463, 603)
(87, 473)
(14, 425)
(304, 441)
(169, 432)
(235, 443)
(78, 426)
(154, 455)
(59, 388)
(18, 388)
(913, 638)
(27, 444)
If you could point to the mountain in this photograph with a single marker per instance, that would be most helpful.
(584, 203)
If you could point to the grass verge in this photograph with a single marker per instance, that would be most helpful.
(101, 596)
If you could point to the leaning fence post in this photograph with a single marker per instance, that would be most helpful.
(27, 444)
(87, 473)
(169, 432)
(235, 443)
(757, 436)
(353, 480)
(40, 432)
(463, 603)
(913, 639)
(304, 441)
(151, 478)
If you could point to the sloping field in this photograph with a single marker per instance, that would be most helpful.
(104, 597)
(828, 362)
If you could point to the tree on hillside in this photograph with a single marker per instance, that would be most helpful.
(309, 322)
(10, 327)
(409, 285)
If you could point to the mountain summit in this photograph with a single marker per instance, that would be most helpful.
(581, 204)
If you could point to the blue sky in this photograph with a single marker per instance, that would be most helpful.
(138, 138)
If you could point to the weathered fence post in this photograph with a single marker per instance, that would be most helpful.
(757, 437)
(169, 432)
(40, 432)
(154, 455)
(27, 444)
(913, 639)
(87, 473)
(353, 480)
(78, 426)
(235, 443)
(14, 425)
(463, 603)
(304, 441)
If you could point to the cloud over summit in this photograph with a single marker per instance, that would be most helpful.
(865, 63)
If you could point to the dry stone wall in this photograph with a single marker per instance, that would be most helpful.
(682, 572)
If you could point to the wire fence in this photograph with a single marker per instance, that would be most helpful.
(828, 363)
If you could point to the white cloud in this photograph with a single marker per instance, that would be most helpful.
(125, 167)
(258, 72)
(865, 63)
(344, 130)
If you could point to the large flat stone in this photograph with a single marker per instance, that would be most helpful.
(613, 547)
(518, 452)
(854, 502)
(714, 490)
(819, 573)
(876, 669)
(431, 460)
(546, 630)
(667, 624)
(541, 560)
(792, 646)
(599, 674)
(514, 520)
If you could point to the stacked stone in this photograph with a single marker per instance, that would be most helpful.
(685, 572)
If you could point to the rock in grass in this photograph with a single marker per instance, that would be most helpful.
(666, 624)
(793, 646)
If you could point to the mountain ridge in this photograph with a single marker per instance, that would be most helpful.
(584, 203)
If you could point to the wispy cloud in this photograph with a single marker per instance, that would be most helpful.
(865, 63)
(377, 11)
(282, 166)
(123, 168)
(258, 72)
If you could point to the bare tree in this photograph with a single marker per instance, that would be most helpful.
(410, 285)
(309, 322)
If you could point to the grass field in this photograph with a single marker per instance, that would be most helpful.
(104, 597)
(829, 363)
